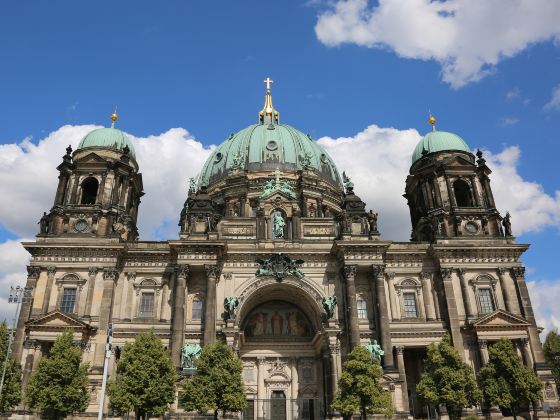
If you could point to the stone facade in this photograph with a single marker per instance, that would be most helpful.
(459, 275)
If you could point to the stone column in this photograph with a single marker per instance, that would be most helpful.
(294, 377)
(334, 353)
(469, 310)
(33, 352)
(453, 317)
(476, 192)
(212, 274)
(260, 387)
(383, 318)
(402, 374)
(164, 294)
(526, 347)
(178, 316)
(510, 300)
(352, 310)
(33, 273)
(392, 295)
(110, 278)
(450, 192)
(536, 346)
(483, 347)
(92, 274)
(488, 191)
(51, 271)
(429, 297)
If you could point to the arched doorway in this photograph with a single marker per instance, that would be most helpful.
(280, 339)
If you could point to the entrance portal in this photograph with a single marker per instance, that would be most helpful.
(278, 405)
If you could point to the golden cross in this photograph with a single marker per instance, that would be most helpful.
(277, 174)
(268, 81)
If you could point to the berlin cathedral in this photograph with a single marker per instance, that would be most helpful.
(277, 256)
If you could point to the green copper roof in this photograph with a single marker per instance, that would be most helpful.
(438, 141)
(107, 138)
(265, 147)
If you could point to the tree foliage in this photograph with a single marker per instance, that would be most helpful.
(217, 384)
(551, 350)
(145, 379)
(448, 380)
(359, 387)
(59, 385)
(506, 381)
(11, 392)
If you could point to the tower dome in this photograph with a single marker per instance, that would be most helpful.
(107, 138)
(267, 146)
(438, 141)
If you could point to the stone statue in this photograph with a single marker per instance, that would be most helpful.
(348, 184)
(230, 304)
(189, 355)
(306, 161)
(372, 221)
(375, 350)
(44, 223)
(329, 303)
(237, 158)
(278, 224)
(286, 188)
(268, 188)
(192, 185)
(279, 266)
(436, 227)
(507, 225)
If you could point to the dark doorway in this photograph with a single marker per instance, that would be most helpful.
(463, 194)
(89, 191)
(414, 367)
(278, 405)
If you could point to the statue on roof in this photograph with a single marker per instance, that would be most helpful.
(348, 184)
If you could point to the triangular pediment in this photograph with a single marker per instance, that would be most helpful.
(277, 195)
(500, 319)
(92, 158)
(457, 160)
(57, 320)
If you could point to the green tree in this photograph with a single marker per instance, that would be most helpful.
(145, 379)
(506, 381)
(359, 387)
(551, 350)
(447, 380)
(217, 384)
(59, 386)
(11, 392)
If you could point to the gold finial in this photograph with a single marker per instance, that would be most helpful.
(432, 121)
(268, 109)
(114, 118)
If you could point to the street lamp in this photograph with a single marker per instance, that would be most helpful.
(18, 295)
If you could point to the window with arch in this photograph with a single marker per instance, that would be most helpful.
(463, 195)
(484, 287)
(361, 303)
(69, 287)
(411, 301)
(196, 308)
(90, 187)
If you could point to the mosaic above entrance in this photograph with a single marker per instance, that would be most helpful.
(277, 321)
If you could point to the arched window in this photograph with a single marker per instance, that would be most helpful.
(463, 194)
(362, 307)
(89, 191)
(196, 308)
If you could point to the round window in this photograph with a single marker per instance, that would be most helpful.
(218, 156)
(471, 227)
(81, 225)
(272, 145)
(323, 158)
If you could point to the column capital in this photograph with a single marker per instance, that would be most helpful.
(518, 273)
(51, 271)
(110, 274)
(349, 271)
(425, 275)
(461, 272)
(482, 344)
(524, 341)
(377, 270)
(390, 274)
(182, 270)
(212, 271)
(446, 273)
(502, 271)
(92, 271)
(33, 271)
(334, 349)
(399, 349)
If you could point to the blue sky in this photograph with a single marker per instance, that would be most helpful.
(200, 65)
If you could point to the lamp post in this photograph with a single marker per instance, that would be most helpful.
(18, 295)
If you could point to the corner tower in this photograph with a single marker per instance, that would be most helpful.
(448, 191)
(99, 188)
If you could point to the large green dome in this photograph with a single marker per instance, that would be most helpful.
(107, 138)
(265, 147)
(439, 141)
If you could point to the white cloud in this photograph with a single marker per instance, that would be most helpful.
(507, 121)
(544, 298)
(376, 158)
(513, 94)
(554, 102)
(467, 37)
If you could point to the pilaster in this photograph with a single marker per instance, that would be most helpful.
(453, 316)
(378, 275)
(33, 273)
(178, 316)
(352, 310)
